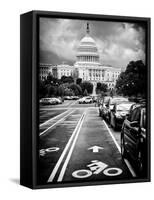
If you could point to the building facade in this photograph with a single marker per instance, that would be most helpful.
(44, 70)
(87, 65)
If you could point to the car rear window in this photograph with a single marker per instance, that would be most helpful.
(116, 100)
(123, 107)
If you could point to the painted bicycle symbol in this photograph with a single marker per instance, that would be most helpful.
(96, 167)
(43, 152)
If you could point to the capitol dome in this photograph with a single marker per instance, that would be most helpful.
(87, 52)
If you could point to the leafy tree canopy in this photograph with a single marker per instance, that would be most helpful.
(87, 86)
(67, 79)
(101, 87)
(133, 80)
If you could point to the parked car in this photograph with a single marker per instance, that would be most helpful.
(118, 114)
(48, 101)
(109, 106)
(57, 100)
(134, 138)
(67, 98)
(75, 97)
(85, 100)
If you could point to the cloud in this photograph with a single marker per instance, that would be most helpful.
(118, 43)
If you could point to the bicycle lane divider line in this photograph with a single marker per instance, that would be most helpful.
(118, 147)
(61, 175)
(56, 123)
(44, 123)
(53, 174)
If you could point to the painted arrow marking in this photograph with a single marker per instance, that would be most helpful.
(95, 149)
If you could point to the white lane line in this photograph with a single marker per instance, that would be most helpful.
(118, 147)
(72, 103)
(53, 118)
(61, 175)
(64, 152)
(55, 123)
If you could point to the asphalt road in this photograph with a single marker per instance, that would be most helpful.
(76, 145)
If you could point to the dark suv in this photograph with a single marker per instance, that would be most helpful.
(134, 138)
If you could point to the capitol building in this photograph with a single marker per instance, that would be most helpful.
(87, 65)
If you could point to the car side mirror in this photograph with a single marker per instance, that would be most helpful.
(134, 124)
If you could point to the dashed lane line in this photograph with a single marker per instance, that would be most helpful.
(53, 174)
(56, 123)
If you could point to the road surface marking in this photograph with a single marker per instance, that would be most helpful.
(64, 152)
(51, 149)
(72, 103)
(97, 166)
(56, 123)
(53, 118)
(95, 149)
(42, 152)
(82, 173)
(71, 149)
(118, 147)
(108, 171)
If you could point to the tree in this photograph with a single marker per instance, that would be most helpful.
(51, 80)
(111, 93)
(67, 79)
(60, 90)
(68, 92)
(85, 93)
(101, 87)
(51, 90)
(87, 86)
(42, 89)
(78, 81)
(76, 89)
(133, 80)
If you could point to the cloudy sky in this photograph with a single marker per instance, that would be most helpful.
(118, 43)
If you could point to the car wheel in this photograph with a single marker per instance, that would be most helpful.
(123, 151)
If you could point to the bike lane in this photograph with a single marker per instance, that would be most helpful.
(95, 155)
(53, 142)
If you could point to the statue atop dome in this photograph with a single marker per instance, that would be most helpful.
(88, 29)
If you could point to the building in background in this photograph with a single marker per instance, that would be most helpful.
(44, 70)
(87, 65)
